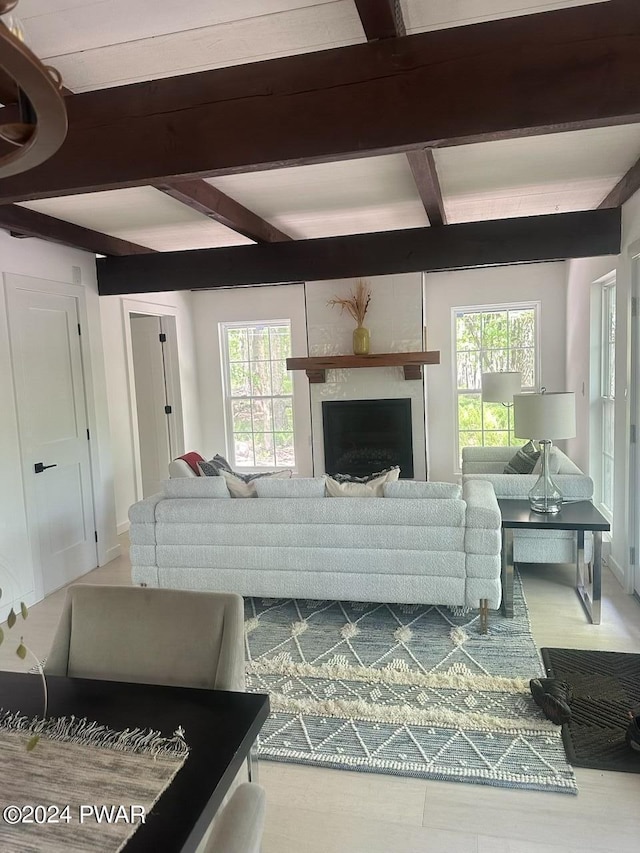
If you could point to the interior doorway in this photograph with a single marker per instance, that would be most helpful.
(156, 405)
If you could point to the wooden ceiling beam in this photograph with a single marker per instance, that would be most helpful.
(383, 19)
(569, 69)
(425, 175)
(624, 189)
(23, 222)
(474, 244)
(212, 202)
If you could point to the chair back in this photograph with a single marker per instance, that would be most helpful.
(151, 636)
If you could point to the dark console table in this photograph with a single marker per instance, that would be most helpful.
(579, 516)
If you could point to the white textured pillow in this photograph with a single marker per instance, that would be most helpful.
(296, 487)
(420, 489)
(371, 489)
(239, 488)
(554, 463)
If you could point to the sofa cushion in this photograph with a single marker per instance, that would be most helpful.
(296, 487)
(523, 461)
(420, 489)
(244, 485)
(345, 486)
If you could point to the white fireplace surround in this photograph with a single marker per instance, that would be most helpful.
(395, 321)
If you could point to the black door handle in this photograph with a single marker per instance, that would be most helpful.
(39, 467)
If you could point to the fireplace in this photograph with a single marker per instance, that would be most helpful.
(365, 436)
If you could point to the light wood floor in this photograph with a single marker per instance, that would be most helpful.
(313, 810)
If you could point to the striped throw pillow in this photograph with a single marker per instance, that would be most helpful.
(524, 460)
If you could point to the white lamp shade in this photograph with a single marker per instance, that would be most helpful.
(500, 387)
(550, 415)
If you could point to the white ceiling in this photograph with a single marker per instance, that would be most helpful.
(102, 43)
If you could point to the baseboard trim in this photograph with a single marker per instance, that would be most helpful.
(111, 554)
(617, 571)
(122, 528)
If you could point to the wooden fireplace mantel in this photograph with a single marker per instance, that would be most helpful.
(410, 362)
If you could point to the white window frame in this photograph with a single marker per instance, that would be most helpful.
(606, 399)
(535, 305)
(226, 383)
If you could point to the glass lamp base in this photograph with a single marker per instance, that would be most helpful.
(545, 496)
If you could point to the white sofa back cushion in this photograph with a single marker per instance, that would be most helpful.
(419, 489)
(296, 487)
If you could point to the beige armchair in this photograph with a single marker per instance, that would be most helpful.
(151, 636)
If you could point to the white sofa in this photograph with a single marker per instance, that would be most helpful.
(486, 464)
(442, 549)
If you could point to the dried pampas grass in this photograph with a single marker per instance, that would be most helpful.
(357, 304)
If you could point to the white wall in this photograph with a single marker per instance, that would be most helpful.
(38, 259)
(114, 316)
(280, 302)
(395, 323)
(442, 292)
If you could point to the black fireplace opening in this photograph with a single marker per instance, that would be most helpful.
(365, 436)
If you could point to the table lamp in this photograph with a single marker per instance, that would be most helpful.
(553, 416)
(500, 387)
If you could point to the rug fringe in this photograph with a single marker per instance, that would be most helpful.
(80, 730)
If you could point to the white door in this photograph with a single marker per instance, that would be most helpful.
(151, 401)
(52, 420)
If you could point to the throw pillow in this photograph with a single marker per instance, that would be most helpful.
(244, 486)
(524, 460)
(213, 467)
(346, 486)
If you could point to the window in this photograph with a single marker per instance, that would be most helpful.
(487, 340)
(259, 393)
(607, 394)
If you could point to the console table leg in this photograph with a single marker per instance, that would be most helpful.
(589, 577)
(507, 571)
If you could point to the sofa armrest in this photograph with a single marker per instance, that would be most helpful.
(144, 512)
(482, 506)
(576, 487)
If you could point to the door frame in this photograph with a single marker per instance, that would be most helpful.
(172, 375)
(17, 281)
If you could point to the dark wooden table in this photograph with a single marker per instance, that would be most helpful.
(220, 728)
(580, 516)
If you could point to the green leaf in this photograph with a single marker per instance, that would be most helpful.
(11, 618)
(1, 636)
(24, 610)
(32, 742)
(21, 651)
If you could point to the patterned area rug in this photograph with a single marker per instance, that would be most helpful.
(409, 690)
(606, 686)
